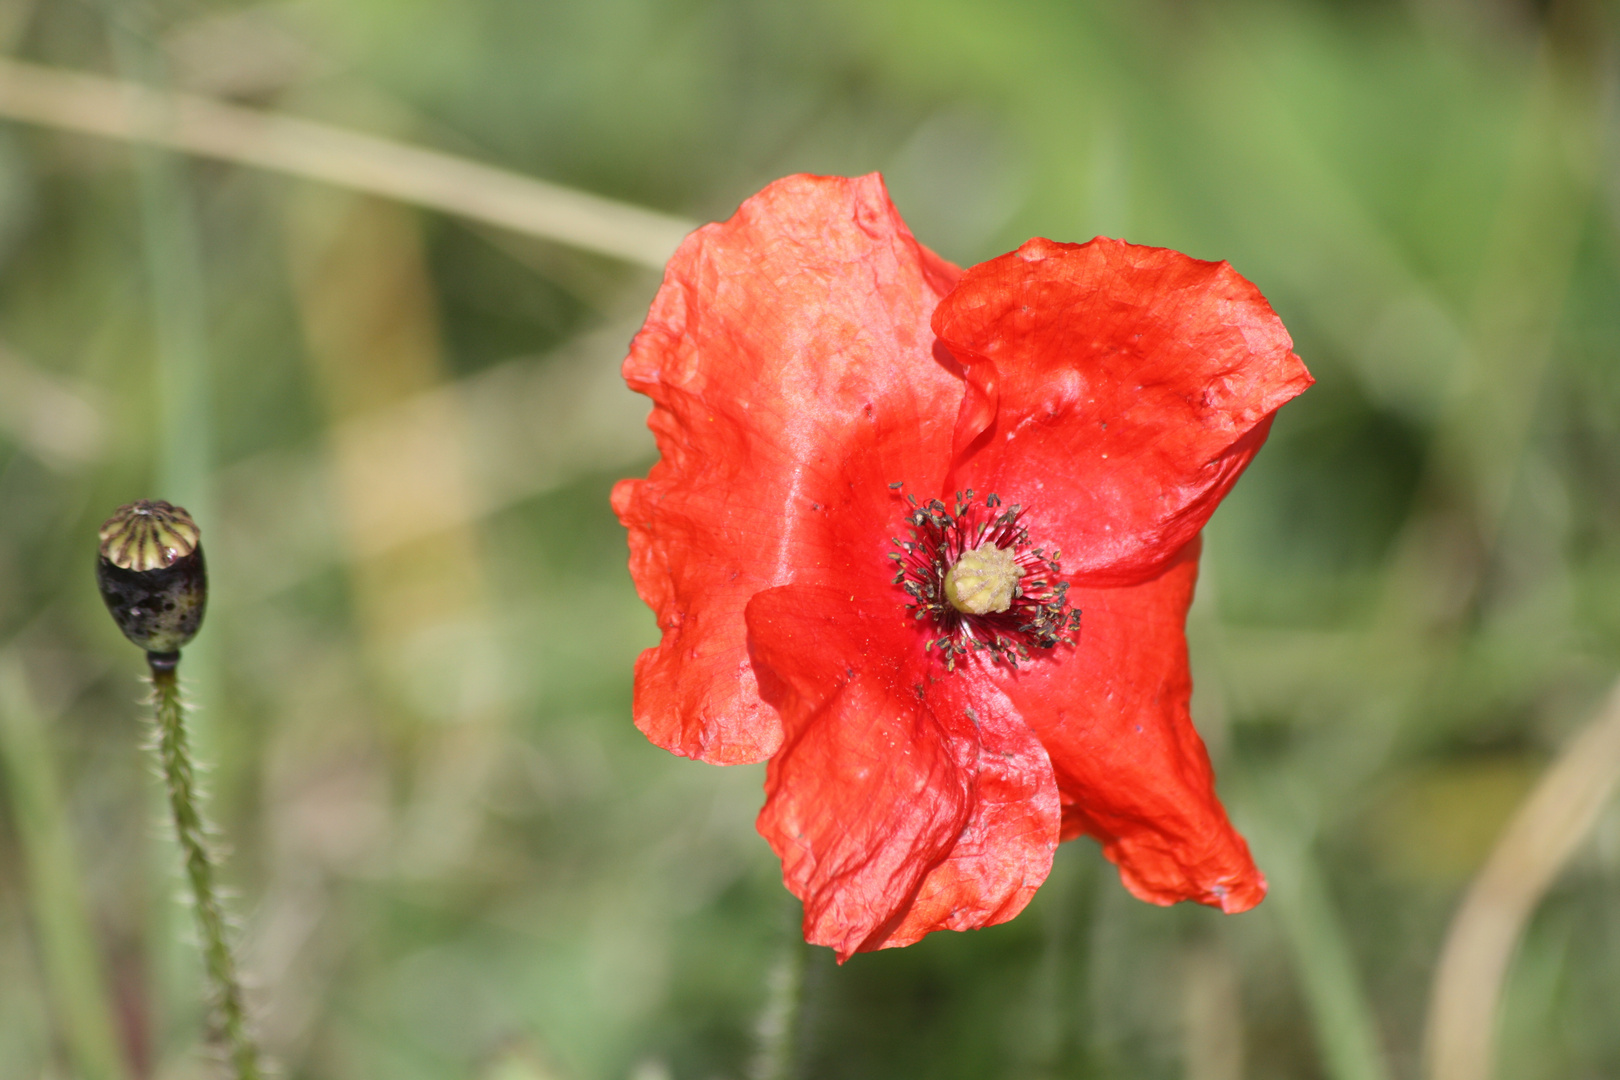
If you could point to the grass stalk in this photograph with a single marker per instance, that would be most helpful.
(74, 101)
(1346, 1029)
(75, 983)
(182, 410)
(1536, 846)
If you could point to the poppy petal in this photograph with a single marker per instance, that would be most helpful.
(1132, 770)
(782, 342)
(903, 800)
(1117, 391)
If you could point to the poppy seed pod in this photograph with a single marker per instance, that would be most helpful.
(152, 575)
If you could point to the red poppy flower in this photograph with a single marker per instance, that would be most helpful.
(926, 538)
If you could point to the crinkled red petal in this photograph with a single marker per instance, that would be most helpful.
(784, 344)
(1116, 391)
(903, 800)
(1112, 714)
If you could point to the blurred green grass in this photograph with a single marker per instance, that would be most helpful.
(455, 856)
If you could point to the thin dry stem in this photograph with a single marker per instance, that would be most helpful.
(1544, 833)
(198, 125)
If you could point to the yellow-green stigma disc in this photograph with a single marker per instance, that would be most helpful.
(148, 536)
(983, 581)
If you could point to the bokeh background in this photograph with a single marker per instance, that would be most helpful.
(453, 855)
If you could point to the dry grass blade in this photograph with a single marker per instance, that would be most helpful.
(197, 125)
(1527, 859)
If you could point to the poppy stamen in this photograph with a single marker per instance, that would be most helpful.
(975, 580)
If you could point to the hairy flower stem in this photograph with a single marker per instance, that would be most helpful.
(174, 754)
(779, 1049)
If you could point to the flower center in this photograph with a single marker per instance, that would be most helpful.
(983, 580)
(977, 583)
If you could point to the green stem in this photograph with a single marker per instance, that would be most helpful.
(75, 983)
(192, 832)
(778, 1050)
